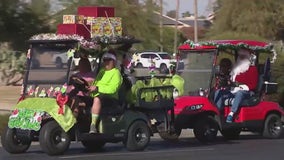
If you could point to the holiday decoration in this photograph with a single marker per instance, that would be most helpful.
(103, 26)
(25, 119)
(42, 93)
(72, 19)
(96, 11)
(61, 100)
(224, 46)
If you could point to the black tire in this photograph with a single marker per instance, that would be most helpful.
(11, 144)
(58, 63)
(206, 129)
(231, 134)
(164, 69)
(53, 139)
(139, 65)
(273, 127)
(93, 145)
(138, 136)
(170, 136)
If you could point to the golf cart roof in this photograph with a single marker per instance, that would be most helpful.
(227, 44)
(52, 41)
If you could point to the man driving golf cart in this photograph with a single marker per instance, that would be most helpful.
(105, 87)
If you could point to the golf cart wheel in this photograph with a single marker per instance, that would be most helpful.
(231, 134)
(11, 143)
(53, 139)
(138, 136)
(58, 63)
(164, 69)
(170, 136)
(273, 128)
(139, 65)
(93, 145)
(206, 129)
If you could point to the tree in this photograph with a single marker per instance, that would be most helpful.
(186, 14)
(264, 19)
(18, 23)
(171, 13)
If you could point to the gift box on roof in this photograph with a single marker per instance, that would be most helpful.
(72, 19)
(102, 26)
(96, 11)
(70, 29)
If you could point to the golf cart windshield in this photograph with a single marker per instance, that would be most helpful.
(197, 70)
(49, 64)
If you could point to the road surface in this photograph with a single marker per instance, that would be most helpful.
(251, 147)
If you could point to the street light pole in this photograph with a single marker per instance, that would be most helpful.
(176, 26)
(195, 22)
(161, 25)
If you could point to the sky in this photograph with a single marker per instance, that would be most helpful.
(187, 5)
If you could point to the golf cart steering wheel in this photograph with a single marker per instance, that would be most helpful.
(79, 83)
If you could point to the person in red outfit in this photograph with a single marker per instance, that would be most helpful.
(245, 77)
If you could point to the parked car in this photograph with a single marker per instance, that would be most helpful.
(162, 60)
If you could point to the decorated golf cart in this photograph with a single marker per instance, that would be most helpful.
(196, 109)
(45, 112)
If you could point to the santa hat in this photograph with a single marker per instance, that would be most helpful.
(244, 52)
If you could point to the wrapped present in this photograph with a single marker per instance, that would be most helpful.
(102, 26)
(96, 11)
(70, 29)
(72, 19)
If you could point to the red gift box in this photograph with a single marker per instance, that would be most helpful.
(79, 29)
(95, 11)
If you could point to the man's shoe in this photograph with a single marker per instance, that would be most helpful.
(93, 129)
(229, 119)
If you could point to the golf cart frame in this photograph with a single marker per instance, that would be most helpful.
(55, 124)
(196, 109)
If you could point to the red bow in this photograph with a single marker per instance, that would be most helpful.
(61, 101)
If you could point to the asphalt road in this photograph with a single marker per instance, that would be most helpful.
(251, 147)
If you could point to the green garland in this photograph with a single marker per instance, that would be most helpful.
(223, 46)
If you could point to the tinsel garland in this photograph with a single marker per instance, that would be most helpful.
(223, 46)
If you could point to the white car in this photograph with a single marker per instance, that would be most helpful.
(161, 60)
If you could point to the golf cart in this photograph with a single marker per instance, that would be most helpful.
(197, 64)
(44, 110)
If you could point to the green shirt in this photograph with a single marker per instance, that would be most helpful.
(108, 82)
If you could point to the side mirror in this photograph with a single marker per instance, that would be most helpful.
(156, 58)
(270, 87)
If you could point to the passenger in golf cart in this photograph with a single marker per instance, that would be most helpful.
(243, 82)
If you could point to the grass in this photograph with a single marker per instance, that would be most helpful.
(3, 122)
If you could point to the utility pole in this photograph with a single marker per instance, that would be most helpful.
(176, 26)
(161, 25)
(195, 22)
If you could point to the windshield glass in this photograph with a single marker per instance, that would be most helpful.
(196, 70)
(48, 67)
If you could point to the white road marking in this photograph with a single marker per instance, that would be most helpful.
(135, 153)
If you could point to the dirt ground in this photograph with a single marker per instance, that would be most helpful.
(9, 96)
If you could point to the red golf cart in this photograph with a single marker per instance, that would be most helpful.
(197, 64)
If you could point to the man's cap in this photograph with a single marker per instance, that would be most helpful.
(109, 56)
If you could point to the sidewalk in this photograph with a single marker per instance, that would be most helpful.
(9, 96)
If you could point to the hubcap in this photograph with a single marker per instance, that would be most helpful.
(274, 127)
(140, 135)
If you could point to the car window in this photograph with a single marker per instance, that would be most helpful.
(165, 56)
(149, 55)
